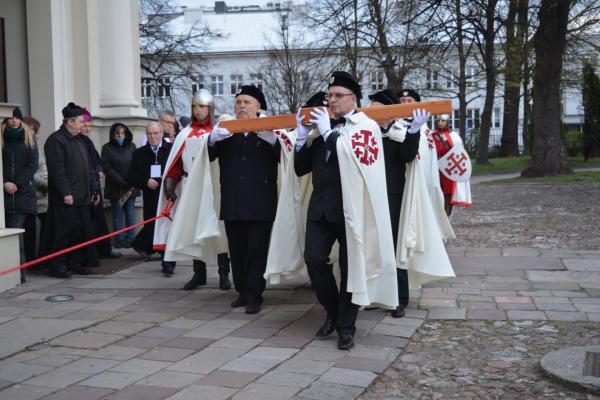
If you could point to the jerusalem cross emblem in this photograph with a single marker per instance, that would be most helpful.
(456, 164)
(364, 145)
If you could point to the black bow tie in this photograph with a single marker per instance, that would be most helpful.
(337, 121)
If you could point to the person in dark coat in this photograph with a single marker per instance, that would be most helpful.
(145, 175)
(104, 247)
(116, 158)
(248, 166)
(19, 163)
(396, 155)
(72, 190)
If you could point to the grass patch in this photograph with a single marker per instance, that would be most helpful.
(504, 165)
(577, 177)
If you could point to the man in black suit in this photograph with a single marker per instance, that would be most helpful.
(145, 172)
(248, 166)
(325, 219)
(396, 155)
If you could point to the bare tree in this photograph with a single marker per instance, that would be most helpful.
(549, 154)
(170, 57)
(293, 71)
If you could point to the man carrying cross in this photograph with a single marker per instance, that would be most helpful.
(347, 204)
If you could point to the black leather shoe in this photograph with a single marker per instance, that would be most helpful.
(327, 328)
(168, 268)
(238, 303)
(142, 253)
(198, 279)
(399, 311)
(346, 341)
(112, 254)
(223, 263)
(60, 272)
(252, 308)
(82, 270)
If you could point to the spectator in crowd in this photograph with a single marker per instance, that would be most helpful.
(116, 159)
(30, 235)
(19, 163)
(145, 173)
(98, 217)
(72, 189)
(168, 121)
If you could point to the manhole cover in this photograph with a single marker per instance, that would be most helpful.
(577, 367)
(591, 367)
(59, 297)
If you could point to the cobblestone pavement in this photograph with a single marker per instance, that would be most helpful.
(481, 360)
(531, 215)
(136, 335)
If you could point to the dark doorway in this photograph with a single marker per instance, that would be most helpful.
(3, 96)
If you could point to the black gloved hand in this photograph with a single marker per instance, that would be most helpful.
(170, 185)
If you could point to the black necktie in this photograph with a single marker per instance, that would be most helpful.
(337, 121)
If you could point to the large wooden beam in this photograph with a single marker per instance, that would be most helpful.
(380, 113)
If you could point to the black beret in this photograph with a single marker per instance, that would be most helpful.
(385, 96)
(410, 93)
(17, 113)
(318, 99)
(253, 91)
(72, 110)
(344, 79)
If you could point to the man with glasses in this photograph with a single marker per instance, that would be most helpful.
(329, 156)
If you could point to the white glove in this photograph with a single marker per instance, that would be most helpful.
(267, 136)
(321, 120)
(419, 118)
(302, 130)
(218, 134)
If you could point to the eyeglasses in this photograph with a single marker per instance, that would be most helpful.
(338, 96)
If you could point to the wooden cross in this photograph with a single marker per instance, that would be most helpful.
(379, 113)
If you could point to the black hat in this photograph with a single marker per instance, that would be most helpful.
(410, 93)
(72, 110)
(344, 79)
(318, 99)
(251, 90)
(17, 113)
(385, 96)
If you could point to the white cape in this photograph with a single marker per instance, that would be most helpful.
(371, 261)
(286, 248)
(461, 196)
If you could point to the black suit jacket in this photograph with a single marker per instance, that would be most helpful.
(396, 155)
(326, 198)
(248, 167)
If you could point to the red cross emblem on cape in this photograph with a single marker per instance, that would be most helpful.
(455, 164)
(364, 146)
(285, 139)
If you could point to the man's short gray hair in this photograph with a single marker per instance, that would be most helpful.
(151, 123)
(166, 113)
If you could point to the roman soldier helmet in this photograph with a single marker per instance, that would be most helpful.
(204, 98)
(444, 117)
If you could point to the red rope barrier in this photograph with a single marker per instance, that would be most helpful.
(166, 213)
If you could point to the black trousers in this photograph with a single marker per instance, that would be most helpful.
(248, 249)
(320, 236)
(395, 202)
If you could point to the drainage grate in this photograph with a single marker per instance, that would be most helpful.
(591, 365)
(59, 297)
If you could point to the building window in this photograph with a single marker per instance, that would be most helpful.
(471, 76)
(432, 80)
(147, 87)
(496, 118)
(473, 119)
(256, 80)
(455, 120)
(164, 87)
(376, 80)
(216, 85)
(236, 83)
(197, 84)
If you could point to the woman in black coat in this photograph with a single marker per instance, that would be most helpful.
(19, 163)
(116, 158)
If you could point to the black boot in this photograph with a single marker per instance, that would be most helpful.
(199, 277)
(223, 262)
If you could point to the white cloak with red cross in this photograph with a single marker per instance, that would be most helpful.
(371, 260)
(285, 259)
(195, 232)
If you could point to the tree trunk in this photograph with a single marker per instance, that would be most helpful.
(462, 79)
(549, 154)
(515, 44)
(490, 84)
(527, 131)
